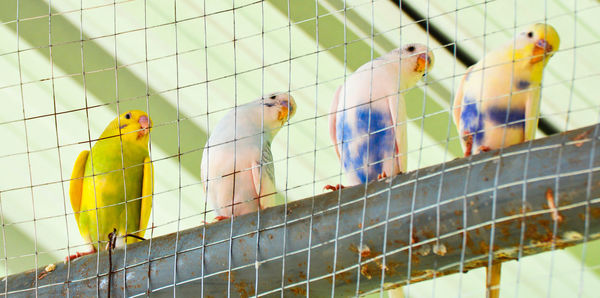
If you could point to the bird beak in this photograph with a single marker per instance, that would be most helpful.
(541, 49)
(282, 113)
(287, 107)
(423, 61)
(144, 122)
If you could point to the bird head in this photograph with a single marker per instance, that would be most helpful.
(133, 126)
(416, 60)
(536, 44)
(278, 108)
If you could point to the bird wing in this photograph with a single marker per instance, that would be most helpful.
(458, 103)
(76, 184)
(397, 109)
(203, 169)
(264, 183)
(147, 190)
(332, 120)
(531, 114)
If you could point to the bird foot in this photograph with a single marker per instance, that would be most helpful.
(112, 243)
(221, 217)
(333, 187)
(484, 148)
(79, 254)
(383, 175)
(112, 240)
(468, 143)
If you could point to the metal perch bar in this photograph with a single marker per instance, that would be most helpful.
(556, 212)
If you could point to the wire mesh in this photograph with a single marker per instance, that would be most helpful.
(71, 67)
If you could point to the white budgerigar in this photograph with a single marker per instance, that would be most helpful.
(497, 102)
(243, 138)
(367, 123)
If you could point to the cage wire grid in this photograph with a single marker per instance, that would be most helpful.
(200, 61)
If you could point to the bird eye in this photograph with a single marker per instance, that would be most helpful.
(411, 48)
(128, 116)
(425, 74)
(530, 34)
(273, 96)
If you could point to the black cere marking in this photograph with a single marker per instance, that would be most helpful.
(128, 116)
(411, 49)
(269, 104)
(530, 34)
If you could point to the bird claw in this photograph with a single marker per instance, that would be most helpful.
(79, 254)
(484, 148)
(468, 143)
(383, 175)
(333, 187)
(221, 217)
(112, 240)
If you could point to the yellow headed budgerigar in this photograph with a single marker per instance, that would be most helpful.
(497, 102)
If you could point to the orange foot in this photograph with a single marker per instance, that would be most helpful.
(221, 217)
(79, 254)
(484, 148)
(383, 175)
(468, 143)
(332, 187)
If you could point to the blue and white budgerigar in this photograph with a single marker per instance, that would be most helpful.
(497, 101)
(367, 120)
(243, 138)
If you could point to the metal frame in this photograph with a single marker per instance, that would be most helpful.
(468, 218)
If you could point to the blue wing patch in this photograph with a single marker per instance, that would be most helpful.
(472, 120)
(379, 145)
(515, 118)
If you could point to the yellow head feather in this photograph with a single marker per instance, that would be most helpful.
(537, 43)
(133, 126)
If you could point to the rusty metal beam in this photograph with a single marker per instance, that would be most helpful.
(447, 227)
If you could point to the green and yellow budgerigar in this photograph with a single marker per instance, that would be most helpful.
(117, 170)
